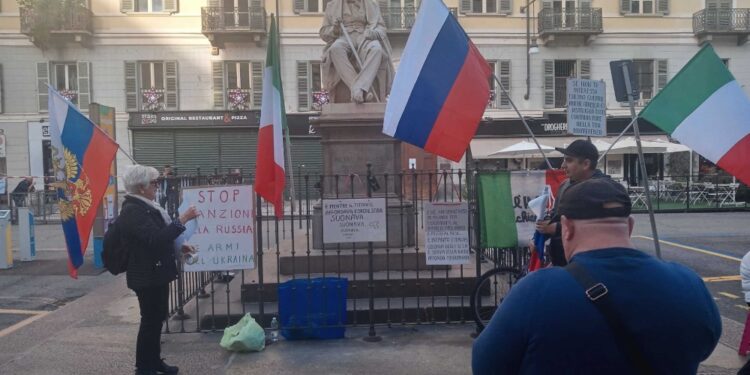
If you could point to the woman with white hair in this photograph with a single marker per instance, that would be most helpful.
(149, 234)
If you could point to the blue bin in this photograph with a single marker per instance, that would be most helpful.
(313, 308)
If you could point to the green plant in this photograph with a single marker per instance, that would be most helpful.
(48, 15)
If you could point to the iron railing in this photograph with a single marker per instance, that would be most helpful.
(575, 21)
(72, 20)
(729, 21)
(398, 18)
(221, 19)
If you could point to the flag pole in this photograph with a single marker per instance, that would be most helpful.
(288, 143)
(549, 165)
(641, 160)
(617, 139)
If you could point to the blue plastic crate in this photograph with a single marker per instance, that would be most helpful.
(313, 308)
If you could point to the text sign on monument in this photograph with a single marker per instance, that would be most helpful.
(447, 233)
(354, 220)
(224, 235)
(587, 107)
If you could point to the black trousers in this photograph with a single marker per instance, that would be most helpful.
(153, 303)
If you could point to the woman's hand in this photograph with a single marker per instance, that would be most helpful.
(190, 214)
(188, 249)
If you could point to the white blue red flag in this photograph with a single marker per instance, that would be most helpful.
(441, 88)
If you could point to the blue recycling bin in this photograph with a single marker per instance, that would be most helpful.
(313, 308)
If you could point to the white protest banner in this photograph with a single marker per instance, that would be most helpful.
(587, 107)
(224, 234)
(354, 220)
(447, 233)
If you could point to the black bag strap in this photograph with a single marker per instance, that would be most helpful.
(598, 294)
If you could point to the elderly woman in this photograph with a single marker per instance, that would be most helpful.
(149, 234)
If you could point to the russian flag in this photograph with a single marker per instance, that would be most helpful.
(82, 156)
(441, 88)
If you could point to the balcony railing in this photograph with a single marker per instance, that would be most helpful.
(722, 21)
(239, 99)
(574, 21)
(75, 20)
(221, 19)
(398, 18)
(152, 99)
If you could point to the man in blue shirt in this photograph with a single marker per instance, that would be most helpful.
(547, 324)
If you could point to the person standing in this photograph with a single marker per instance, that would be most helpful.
(22, 190)
(148, 234)
(640, 315)
(579, 163)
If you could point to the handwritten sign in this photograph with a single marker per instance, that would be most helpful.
(587, 107)
(224, 233)
(447, 233)
(354, 220)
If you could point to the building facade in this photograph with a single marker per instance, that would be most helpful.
(185, 76)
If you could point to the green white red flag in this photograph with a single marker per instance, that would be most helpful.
(269, 167)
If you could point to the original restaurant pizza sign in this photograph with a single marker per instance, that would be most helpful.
(194, 118)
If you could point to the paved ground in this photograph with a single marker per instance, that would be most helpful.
(51, 324)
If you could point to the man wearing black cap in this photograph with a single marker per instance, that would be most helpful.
(579, 164)
(629, 313)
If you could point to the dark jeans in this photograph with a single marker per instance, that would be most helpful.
(153, 303)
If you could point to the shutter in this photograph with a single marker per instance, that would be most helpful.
(127, 6)
(661, 75)
(504, 77)
(238, 148)
(84, 85)
(549, 83)
(197, 149)
(466, 6)
(42, 80)
(307, 151)
(153, 147)
(505, 6)
(586, 15)
(171, 91)
(256, 69)
(131, 86)
(299, 6)
(171, 6)
(303, 87)
(1, 91)
(214, 3)
(584, 69)
(624, 6)
(217, 73)
(662, 6)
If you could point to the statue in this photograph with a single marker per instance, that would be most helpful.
(357, 52)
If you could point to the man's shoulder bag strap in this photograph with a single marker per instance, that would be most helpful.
(598, 294)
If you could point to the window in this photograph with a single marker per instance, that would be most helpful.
(657, 7)
(148, 6)
(310, 6)
(71, 79)
(486, 6)
(556, 74)
(498, 99)
(651, 76)
(309, 82)
(237, 84)
(151, 85)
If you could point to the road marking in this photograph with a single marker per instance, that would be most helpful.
(35, 315)
(744, 307)
(730, 295)
(691, 248)
(722, 278)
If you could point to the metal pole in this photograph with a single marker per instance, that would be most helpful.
(528, 56)
(618, 138)
(371, 335)
(641, 160)
(523, 120)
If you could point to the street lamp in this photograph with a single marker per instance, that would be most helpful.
(531, 46)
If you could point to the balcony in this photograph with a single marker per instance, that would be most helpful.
(586, 23)
(708, 23)
(400, 20)
(73, 25)
(239, 99)
(222, 25)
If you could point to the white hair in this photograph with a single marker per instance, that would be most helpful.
(139, 176)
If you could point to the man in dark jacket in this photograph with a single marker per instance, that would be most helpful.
(579, 164)
(23, 189)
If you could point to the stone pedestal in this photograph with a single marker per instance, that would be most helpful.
(352, 136)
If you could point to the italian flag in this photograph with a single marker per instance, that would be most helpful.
(505, 217)
(705, 108)
(269, 167)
